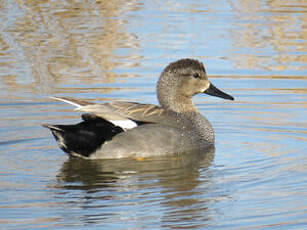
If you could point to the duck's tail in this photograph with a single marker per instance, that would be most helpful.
(84, 138)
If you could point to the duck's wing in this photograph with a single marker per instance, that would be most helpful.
(121, 113)
(125, 114)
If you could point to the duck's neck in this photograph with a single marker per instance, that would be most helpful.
(175, 101)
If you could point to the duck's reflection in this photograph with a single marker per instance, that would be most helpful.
(176, 185)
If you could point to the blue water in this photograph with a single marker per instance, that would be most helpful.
(115, 50)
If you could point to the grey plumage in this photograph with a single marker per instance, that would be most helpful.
(146, 130)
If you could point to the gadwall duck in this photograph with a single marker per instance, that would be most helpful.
(129, 129)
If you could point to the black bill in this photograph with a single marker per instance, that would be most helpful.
(213, 91)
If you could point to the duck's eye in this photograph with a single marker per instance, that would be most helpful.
(196, 75)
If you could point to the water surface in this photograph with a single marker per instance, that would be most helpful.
(255, 178)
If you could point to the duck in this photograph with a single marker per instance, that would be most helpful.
(121, 129)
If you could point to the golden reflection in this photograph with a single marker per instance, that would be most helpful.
(46, 43)
(269, 35)
(56, 40)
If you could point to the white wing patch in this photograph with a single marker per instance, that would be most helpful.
(125, 124)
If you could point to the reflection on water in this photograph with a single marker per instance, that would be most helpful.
(48, 43)
(104, 50)
(113, 186)
(267, 36)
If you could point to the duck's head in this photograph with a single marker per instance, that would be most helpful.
(181, 80)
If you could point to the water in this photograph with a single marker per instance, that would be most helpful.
(115, 50)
